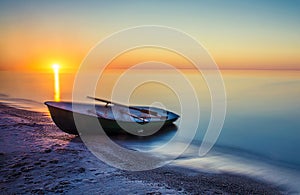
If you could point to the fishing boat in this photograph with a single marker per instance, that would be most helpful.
(113, 117)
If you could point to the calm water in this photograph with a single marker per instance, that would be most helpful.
(261, 133)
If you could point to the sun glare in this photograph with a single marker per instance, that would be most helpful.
(55, 68)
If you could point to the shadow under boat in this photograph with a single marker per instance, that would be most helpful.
(78, 118)
(145, 143)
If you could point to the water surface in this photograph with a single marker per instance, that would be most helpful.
(261, 133)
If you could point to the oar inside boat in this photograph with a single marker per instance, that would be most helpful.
(146, 111)
(141, 120)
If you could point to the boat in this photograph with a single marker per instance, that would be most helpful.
(114, 118)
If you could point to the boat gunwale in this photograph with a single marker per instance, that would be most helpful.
(48, 103)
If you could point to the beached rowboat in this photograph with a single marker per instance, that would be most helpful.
(113, 117)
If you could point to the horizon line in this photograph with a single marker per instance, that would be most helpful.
(121, 68)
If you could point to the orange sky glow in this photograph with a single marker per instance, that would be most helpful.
(33, 37)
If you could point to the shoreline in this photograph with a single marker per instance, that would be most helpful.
(36, 157)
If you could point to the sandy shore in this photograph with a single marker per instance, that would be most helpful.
(37, 158)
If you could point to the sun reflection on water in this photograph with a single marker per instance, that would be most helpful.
(56, 82)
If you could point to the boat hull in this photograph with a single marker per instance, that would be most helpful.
(89, 123)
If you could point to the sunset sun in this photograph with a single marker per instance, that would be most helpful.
(55, 67)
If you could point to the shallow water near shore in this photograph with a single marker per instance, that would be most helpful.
(261, 133)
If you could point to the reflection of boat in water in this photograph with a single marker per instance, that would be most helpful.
(113, 117)
(145, 143)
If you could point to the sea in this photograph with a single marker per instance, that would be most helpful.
(260, 137)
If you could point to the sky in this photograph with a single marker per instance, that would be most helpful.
(256, 34)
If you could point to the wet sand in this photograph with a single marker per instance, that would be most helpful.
(37, 158)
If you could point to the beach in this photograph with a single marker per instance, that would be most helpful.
(38, 158)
